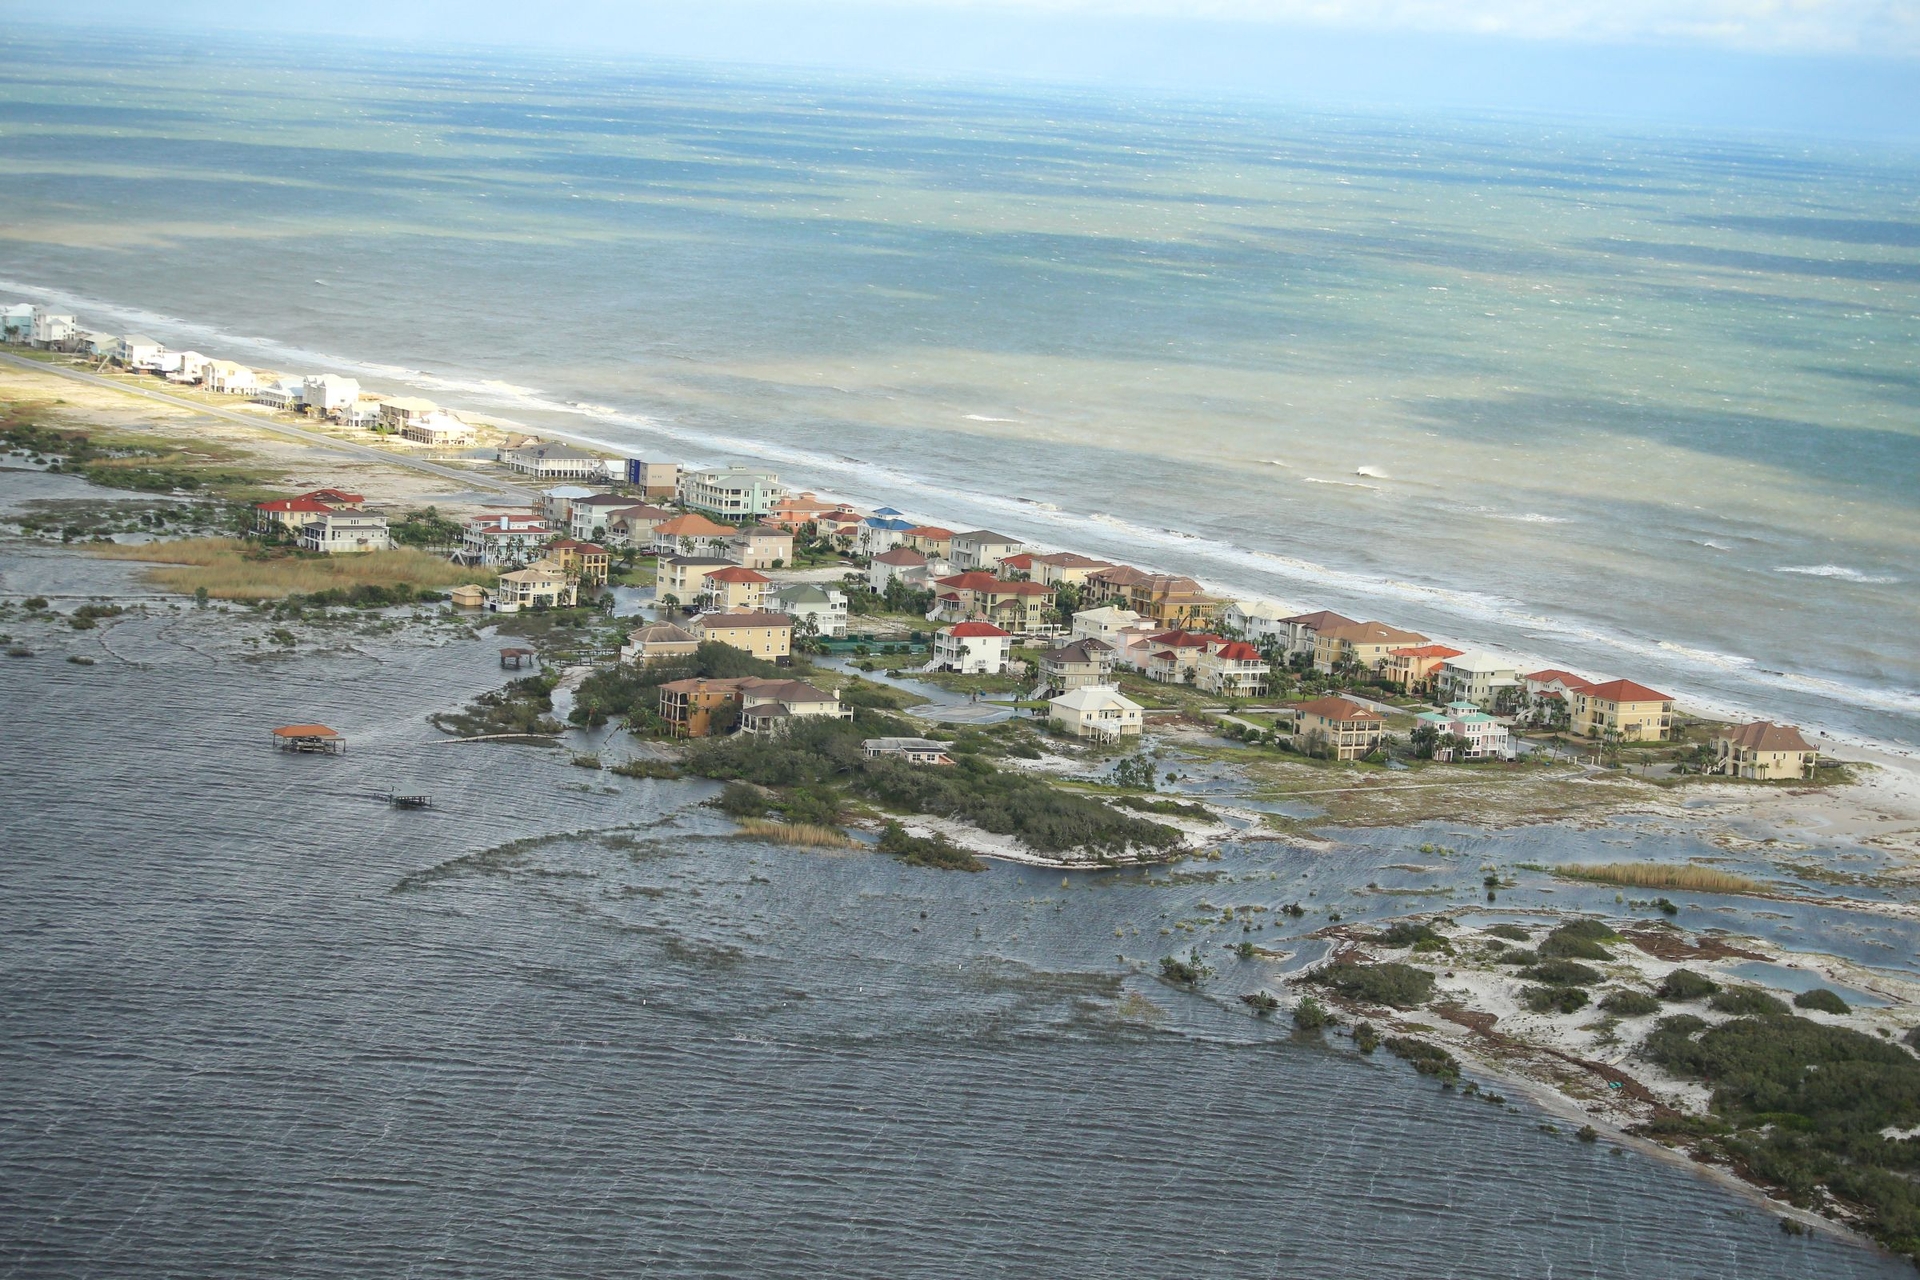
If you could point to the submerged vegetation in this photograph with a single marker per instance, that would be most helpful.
(520, 707)
(1661, 875)
(233, 569)
(1400, 985)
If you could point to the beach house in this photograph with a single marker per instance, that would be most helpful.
(1338, 728)
(1485, 737)
(919, 751)
(1261, 623)
(1096, 711)
(972, 648)
(732, 587)
(328, 394)
(1021, 607)
(658, 642)
(509, 538)
(699, 707)
(1632, 711)
(1413, 667)
(1063, 568)
(1302, 630)
(138, 351)
(1479, 677)
(1360, 646)
(881, 533)
(1170, 599)
(1104, 624)
(282, 394)
(337, 533)
(288, 515)
(1077, 665)
(229, 379)
(547, 460)
(541, 585)
(587, 563)
(684, 578)
(931, 540)
(590, 515)
(1232, 670)
(888, 565)
(1173, 656)
(764, 635)
(771, 706)
(692, 534)
(981, 549)
(49, 328)
(1764, 752)
(813, 605)
(633, 526)
(16, 321)
(761, 546)
(732, 492)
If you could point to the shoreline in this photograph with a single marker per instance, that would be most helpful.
(1710, 706)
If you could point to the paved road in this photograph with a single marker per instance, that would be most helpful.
(465, 479)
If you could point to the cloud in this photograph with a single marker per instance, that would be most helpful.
(1877, 27)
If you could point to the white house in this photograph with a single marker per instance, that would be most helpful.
(363, 412)
(396, 413)
(982, 549)
(825, 605)
(881, 533)
(345, 532)
(506, 538)
(732, 492)
(1475, 677)
(1256, 621)
(328, 393)
(546, 460)
(972, 648)
(1096, 711)
(1486, 738)
(283, 393)
(888, 565)
(49, 327)
(556, 504)
(1104, 624)
(440, 428)
(185, 366)
(230, 379)
(590, 517)
(138, 351)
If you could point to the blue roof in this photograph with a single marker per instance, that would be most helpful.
(888, 511)
(878, 523)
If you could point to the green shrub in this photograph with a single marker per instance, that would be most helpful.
(935, 851)
(738, 800)
(1311, 1015)
(1563, 973)
(1406, 933)
(1366, 1037)
(1579, 940)
(1188, 971)
(1748, 1002)
(1821, 999)
(1399, 985)
(1519, 955)
(1511, 932)
(1554, 999)
(1261, 1002)
(1427, 1059)
(1630, 1004)
(1685, 984)
(643, 768)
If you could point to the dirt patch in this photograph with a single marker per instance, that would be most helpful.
(1662, 945)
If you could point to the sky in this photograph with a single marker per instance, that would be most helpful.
(1830, 67)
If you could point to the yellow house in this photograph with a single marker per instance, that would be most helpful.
(1349, 730)
(734, 587)
(586, 561)
(1635, 712)
(764, 635)
(685, 577)
(1765, 752)
(1369, 645)
(542, 584)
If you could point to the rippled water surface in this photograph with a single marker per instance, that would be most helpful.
(257, 1023)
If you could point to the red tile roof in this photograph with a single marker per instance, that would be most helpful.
(901, 555)
(975, 629)
(973, 580)
(933, 531)
(735, 574)
(1427, 651)
(1763, 735)
(1550, 674)
(1240, 651)
(1625, 691)
(574, 544)
(1337, 709)
(302, 505)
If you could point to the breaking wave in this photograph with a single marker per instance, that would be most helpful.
(1839, 571)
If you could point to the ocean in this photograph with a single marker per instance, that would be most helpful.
(563, 1023)
(1628, 402)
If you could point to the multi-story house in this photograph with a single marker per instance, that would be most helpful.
(731, 492)
(1413, 667)
(1232, 670)
(1764, 752)
(1018, 606)
(1364, 645)
(764, 635)
(825, 607)
(1632, 711)
(1344, 729)
(981, 549)
(1076, 665)
(692, 534)
(1303, 630)
(345, 533)
(1170, 599)
(1486, 738)
(1097, 711)
(972, 648)
(509, 539)
(1477, 677)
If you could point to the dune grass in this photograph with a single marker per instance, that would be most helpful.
(1661, 875)
(813, 834)
(233, 569)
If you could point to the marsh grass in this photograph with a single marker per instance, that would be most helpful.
(1661, 875)
(232, 569)
(810, 834)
